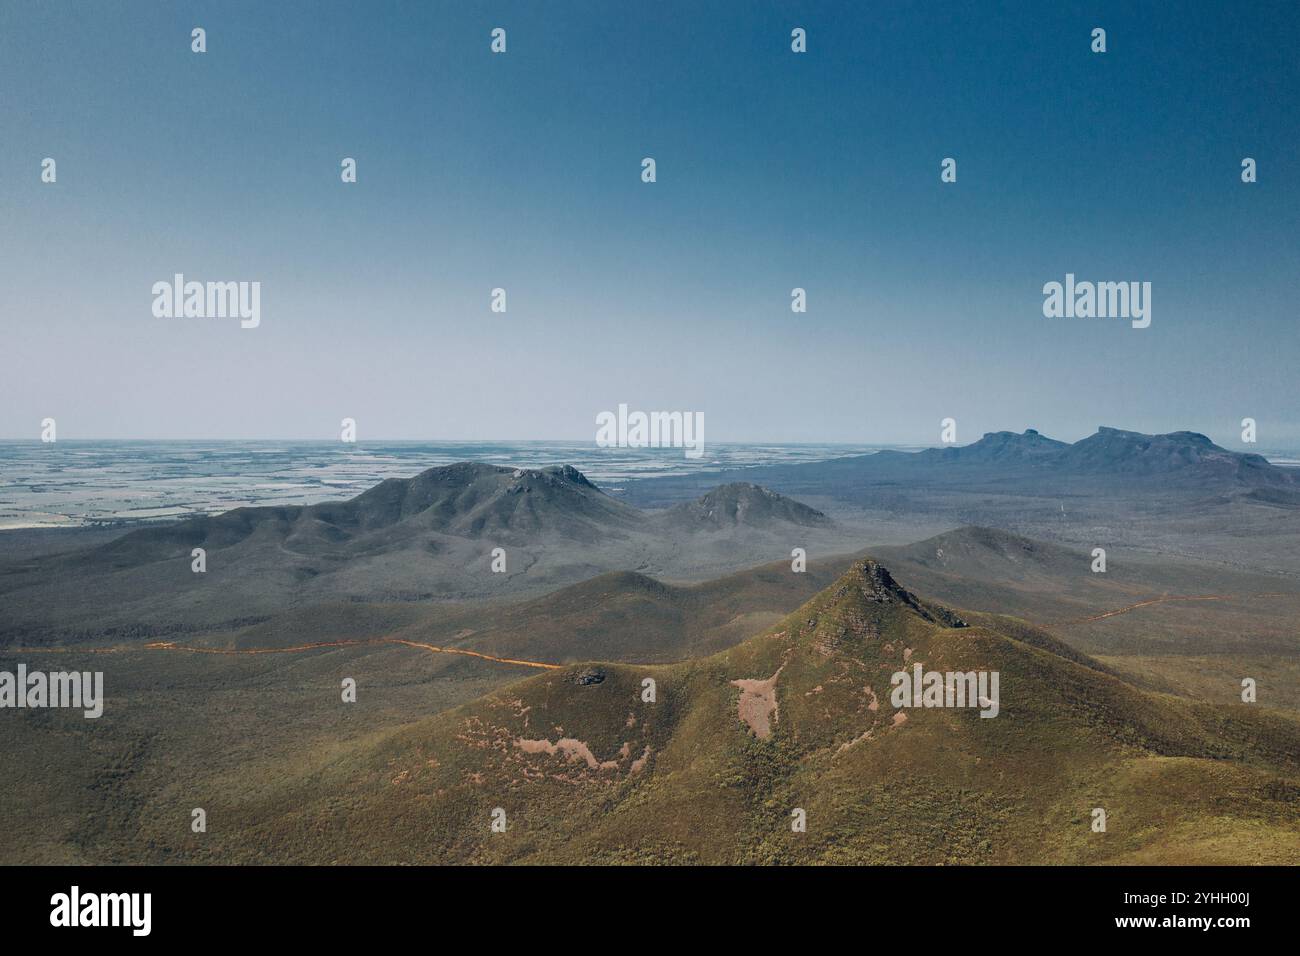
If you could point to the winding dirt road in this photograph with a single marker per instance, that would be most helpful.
(539, 665)
(1164, 599)
(235, 651)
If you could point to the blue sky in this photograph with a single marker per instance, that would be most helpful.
(522, 171)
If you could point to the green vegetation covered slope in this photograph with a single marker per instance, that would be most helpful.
(800, 717)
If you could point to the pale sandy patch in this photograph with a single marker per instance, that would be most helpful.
(758, 707)
(573, 750)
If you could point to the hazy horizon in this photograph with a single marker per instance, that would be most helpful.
(1227, 438)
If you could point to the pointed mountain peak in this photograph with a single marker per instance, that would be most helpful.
(869, 580)
(568, 473)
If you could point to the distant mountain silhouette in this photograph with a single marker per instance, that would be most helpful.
(1181, 454)
(742, 503)
(1108, 463)
(1028, 446)
(1187, 456)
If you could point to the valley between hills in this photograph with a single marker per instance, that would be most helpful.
(523, 690)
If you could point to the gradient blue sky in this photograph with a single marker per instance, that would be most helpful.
(523, 171)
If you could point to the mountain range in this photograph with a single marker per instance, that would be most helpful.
(435, 536)
(446, 533)
(1173, 494)
(1111, 458)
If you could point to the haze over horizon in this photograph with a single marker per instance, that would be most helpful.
(1229, 439)
(522, 171)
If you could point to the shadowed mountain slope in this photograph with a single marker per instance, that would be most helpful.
(1178, 605)
(433, 537)
(474, 500)
(629, 616)
(742, 503)
(468, 500)
(621, 615)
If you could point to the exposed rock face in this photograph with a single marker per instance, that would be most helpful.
(878, 585)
